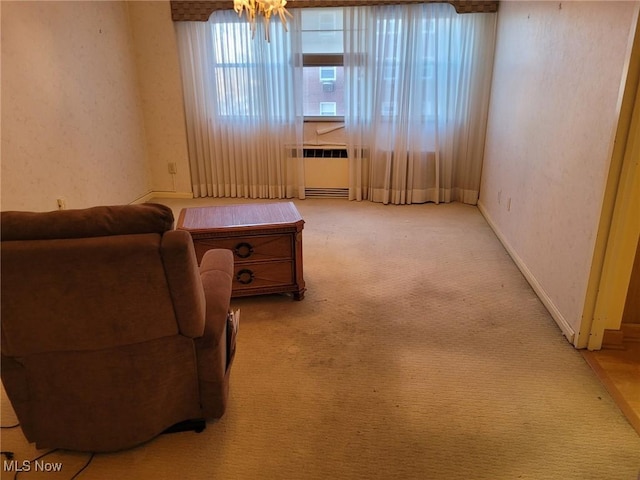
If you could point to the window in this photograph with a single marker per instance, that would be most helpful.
(428, 56)
(322, 30)
(415, 93)
(323, 89)
(323, 73)
(328, 108)
(327, 74)
(232, 62)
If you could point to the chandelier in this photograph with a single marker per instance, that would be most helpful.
(264, 8)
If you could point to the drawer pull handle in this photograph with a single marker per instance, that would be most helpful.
(245, 276)
(243, 250)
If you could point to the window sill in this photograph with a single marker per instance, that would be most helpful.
(324, 118)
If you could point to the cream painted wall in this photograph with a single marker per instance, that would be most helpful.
(554, 108)
(158, 68)
(72, 124)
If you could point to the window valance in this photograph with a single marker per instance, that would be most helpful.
(201, 10)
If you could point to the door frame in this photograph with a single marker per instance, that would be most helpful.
(619, 228)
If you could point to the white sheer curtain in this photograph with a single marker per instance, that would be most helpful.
(417, 82)
(243, 114)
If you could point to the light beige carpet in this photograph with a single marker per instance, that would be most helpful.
(419, 352)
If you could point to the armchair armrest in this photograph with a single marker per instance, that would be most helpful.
(200, 295)
(216, 271)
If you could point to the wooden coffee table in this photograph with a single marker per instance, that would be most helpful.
(265, 238)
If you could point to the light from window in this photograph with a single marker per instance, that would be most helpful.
(322, 30)
(323, 73)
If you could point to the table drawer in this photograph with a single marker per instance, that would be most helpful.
(260, 275)
(249, 249)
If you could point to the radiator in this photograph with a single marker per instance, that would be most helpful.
(327, 170)
(310, 153)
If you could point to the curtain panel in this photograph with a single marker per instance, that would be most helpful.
(201, 10)
(416, 93)
(243, 123)
(417, 82)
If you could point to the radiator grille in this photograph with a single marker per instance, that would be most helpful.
(326, 192)
(324, 152)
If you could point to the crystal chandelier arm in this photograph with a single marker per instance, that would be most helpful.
(266, 8)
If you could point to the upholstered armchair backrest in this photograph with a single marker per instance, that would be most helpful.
(64, 287)
(91, 222)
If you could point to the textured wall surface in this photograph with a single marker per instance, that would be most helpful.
(557, 78)
(158, 67)
(72, 123)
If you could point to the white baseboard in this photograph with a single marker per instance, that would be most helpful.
(566, 329)
(162, 194)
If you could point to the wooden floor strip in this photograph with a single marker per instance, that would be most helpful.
(619, 372)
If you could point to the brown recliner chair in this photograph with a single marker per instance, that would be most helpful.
(111, 333)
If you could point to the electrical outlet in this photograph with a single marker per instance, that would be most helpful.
(499, 196)
(62, 205)
(173, 168)
(509, 204)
